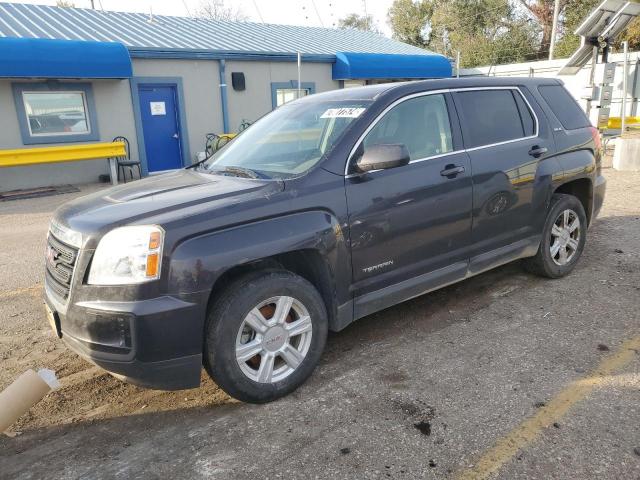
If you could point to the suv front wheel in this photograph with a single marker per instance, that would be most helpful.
(563, 238)
(265, 335)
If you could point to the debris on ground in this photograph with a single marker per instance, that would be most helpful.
(423, 427)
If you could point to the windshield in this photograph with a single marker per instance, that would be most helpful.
(288, 141)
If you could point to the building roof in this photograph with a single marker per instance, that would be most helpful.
(142, 33)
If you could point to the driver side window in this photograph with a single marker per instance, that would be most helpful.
(421, 124)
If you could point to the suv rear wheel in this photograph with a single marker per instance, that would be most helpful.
(563, 238)
(265, 335)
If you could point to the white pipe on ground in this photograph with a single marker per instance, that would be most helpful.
(27, 390)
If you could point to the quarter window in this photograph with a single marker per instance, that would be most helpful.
(493, 116)
(564, 107)
(421, 124)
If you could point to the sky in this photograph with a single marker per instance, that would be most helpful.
(291, 12)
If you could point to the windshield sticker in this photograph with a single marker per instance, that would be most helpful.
(347, 112)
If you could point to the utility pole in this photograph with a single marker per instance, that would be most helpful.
(93, 7)
(623, 107)
(554, 28)
(299, 95)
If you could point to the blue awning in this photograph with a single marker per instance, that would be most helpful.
(377, 65)
(45, 58)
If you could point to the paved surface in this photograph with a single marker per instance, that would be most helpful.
(505, 375)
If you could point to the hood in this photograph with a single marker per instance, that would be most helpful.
(166, 194)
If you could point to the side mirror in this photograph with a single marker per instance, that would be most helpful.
(380, 157)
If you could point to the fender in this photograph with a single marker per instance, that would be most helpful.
(578, 164)
(197, 263)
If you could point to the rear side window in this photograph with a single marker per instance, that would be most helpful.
(528, 122)
(564, 107)
(494, 116)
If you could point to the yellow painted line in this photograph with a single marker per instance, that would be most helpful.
(29, 290)
(525, 433)
(64, 153)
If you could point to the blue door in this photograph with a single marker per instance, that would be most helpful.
(161, 127)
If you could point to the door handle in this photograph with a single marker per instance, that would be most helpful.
(536, 151)
(451, 171)
(175, 135)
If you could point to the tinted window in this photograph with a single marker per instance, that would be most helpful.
(564, 107)
(491, 116)
(528, 122)
(421, 124)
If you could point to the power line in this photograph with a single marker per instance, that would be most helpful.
(258, 10)
(317, 14)
(184, 3)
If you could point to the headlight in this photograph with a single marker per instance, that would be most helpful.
(128, 255)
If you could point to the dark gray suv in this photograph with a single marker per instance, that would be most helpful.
(326, 210)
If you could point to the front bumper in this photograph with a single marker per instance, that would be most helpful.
(154, 343)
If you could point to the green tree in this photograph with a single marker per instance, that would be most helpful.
(410, 21)
(358, 22)
(542, 13)
(575, 12)
(632, 34)
(485, 32)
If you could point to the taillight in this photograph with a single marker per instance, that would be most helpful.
(595, 133)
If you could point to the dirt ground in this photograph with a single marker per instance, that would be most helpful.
(432, 388)
(26, 340)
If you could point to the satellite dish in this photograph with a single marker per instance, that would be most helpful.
(599, 29)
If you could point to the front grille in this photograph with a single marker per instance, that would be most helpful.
(60, 262)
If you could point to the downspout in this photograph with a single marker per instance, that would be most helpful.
(223, 97)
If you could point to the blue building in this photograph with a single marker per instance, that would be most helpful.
(72, 76)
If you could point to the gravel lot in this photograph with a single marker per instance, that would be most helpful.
(504, 375)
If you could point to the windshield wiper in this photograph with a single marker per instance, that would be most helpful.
(237, 171)
(198, 163)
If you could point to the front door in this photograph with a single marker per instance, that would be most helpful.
(415, 219)
(161, 127)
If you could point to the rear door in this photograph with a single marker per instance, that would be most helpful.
(414, 219)
(506, 141)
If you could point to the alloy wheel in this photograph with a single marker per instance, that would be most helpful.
(565, 237)
(273, 339)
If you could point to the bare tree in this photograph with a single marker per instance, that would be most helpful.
(217, 10)
(358, 22)
(65, 4)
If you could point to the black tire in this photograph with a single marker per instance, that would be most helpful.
(543, 263)
(226, 317)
